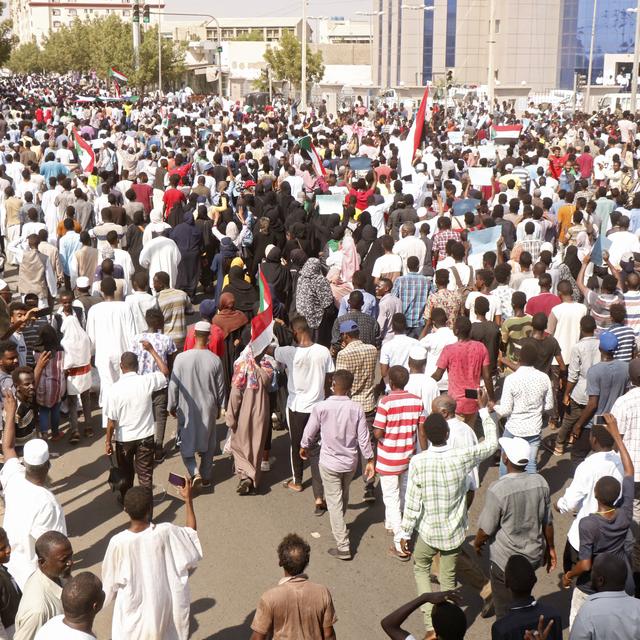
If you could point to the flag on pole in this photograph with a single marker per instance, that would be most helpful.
(117, 76)
(306, 144)
(117, 88)
(410, 145)
(86, 155)
(505, 134)
(262, 323)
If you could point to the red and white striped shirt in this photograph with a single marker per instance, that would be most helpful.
(397, 415)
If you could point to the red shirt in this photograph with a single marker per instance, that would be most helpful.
(463, 361)
(216, 340)
(170, 198)
(543, 302)
(182, 171)
(585, 164)
(556, 164)
(361, 197)
(144, 195)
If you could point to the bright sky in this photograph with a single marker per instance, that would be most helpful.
(272, 8)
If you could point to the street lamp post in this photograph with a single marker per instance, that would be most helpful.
(303, 80)
(636, 60)
(219, 44)
(587, 92)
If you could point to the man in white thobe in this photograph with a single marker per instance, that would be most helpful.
(30, 508)
(111, 329)
(160, 254)
(151, 563)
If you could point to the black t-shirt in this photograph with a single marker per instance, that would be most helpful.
(489, 334)
(524, 617)
(603, 535)
(547, 349)
(10, 595)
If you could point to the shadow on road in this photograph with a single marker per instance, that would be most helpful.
(199, 606)
(234, 633)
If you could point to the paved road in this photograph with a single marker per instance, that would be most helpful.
(240, 534)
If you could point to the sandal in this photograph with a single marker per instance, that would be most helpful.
(289, 484)
(74, 438)
(88, 432)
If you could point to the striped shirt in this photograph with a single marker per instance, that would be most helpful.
(397, 415)
(599, 305)
(632, 306)
(626, 341)
(174, 305)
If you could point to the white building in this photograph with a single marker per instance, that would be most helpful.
(33, 20)
(338, 30)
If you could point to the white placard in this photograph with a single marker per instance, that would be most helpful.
(487, 151)
(455, 137)
(330, 204)
(480, 176)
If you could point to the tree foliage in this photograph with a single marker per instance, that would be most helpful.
(7, 39)
(254, 35)
(285, 61)
(99, 44)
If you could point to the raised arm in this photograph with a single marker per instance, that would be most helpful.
(9, 433)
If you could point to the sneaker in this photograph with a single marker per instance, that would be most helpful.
(265, 465)
(196, 482)
(341, 555)
(369, 494)
(320, 509)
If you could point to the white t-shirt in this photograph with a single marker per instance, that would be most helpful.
(425, 387)
(56, 629)
(464, 271)
(567, 330)
(388, 263)
(307, 368)
(434, 343)
(494, 305)
(530, 287)
(396, 351)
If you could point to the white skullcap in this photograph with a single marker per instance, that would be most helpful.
(36, 452)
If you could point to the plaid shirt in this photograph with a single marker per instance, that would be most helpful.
(439, 244)
(361, 359)
(52, 381)
(626, 411)
(412, 290)
(435, 502)
(532, 245)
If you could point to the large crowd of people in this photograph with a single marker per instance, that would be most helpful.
(475, 299)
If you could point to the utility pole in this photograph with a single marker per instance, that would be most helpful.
(159, 52)
(636, 60)
(491, 74)
(303, 81)
(587, 94)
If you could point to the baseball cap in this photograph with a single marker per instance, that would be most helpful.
(203, 326)
(516, 449)
(36, 452)
(249, 184)
(348, 326)
(608, 342)
(82, 282)
(418, 353)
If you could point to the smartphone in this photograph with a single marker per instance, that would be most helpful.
(40, 313)
(599, 420)
(472, 394)
(176, 480)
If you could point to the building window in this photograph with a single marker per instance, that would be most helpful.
(55, 12)
(497, 26)
(399, 43)
(126, 13)
(427, 46)
(56, 24)
(72, 12)
(450, 43)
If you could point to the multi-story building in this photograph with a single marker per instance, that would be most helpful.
(540, 43)
(33, 20)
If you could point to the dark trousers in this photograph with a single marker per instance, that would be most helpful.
(571, 415)
(297, 423)
(159, 401)
(136, 458)
(502, 597)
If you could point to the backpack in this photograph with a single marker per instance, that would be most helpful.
(463, 289)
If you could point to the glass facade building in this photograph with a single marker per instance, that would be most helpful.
(614, 33)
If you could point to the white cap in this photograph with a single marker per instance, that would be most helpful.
(268, 248)
(203, 326)
(516, 449)
(509, 167)
(3, 285)
(82, 282)
(420, 167)
(36, 452)
(418, 353)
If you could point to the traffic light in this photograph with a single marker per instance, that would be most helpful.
(145, 14)
(136, 12)
(449, 78)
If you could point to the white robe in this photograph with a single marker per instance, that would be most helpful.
(51, 212)
(161, 254)
(111, 329)
(147, 574)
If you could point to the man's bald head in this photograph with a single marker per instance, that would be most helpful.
(445, 405)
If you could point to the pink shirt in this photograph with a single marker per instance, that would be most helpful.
(463, 361)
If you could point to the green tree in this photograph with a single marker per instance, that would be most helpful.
(7, 40)
(27, 58)
(254, 35)
(285, 61)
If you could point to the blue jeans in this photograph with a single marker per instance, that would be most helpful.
(205, 469)
(49, 417)
(534, 445)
